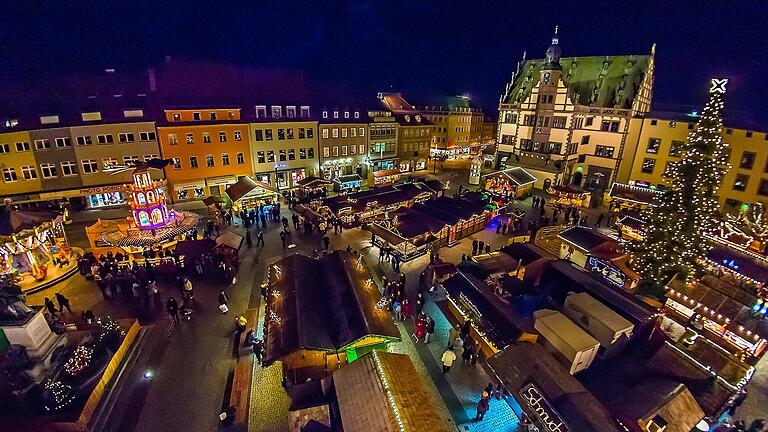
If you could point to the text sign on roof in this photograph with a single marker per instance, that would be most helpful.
(544, 411)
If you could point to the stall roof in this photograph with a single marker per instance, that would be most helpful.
(385, 234)
(367, 403)
(496, 321)
(211, 200)
(379, 197)
(725, 299)
(412, 223)
(525, 252)
(244, 186)
(522, 363)
(562, 273)
(450, 210)
(385, 173)
(321, 304)
(587, 239)
(518, 175)
(13, 221)
(635, 194)
(313, 181)
(484, 265)
(348, 178)
(636, 382)
(229, 239)
(740, 263)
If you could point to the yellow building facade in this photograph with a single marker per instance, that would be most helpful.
(210, 148)
(657, 140)
(284, 152)
(18, 165)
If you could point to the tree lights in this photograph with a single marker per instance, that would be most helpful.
(686, 213)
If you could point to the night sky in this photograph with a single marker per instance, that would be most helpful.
(417, 47)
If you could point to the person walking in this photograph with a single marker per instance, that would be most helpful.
(407, 309)
(469, 350)
(285, 223)
(241, 324)
(223, 299)
(260, 239)
(448, 358)
(474, 247)
(326, 241)
(599, 221)
(173, 308)
(453, 334)
(482, 406)
(248, 240)
(63, 302)
(430, 329)
(50, 306)
(295, 218)
(420, 327)
(282, 238)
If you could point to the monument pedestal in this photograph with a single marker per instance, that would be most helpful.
(37, 337)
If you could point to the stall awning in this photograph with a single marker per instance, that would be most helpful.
(245, 186)
(386, 173)
(12, 221)
(211, 200)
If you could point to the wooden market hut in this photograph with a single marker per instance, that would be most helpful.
(248, 193)
(439, 221)
(510, 183)
(314, 186)
(347, 182)
(381, 391)
(359, 207)
(320, 315)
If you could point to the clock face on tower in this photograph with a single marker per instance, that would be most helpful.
(546, 77)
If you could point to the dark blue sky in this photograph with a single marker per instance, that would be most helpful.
(418, 47)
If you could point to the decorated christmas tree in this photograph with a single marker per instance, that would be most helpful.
(676, 227)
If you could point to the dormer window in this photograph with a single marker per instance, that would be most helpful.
(418, 119)
(357, 114)
(277, 111)
(51, 119)
(407, 118)
(304, 112)
(346, 114)
(261, 111)
(176, 117)
(91, 116)
(325, 114)
(231, 115)
(212, 115)
(335, 114)
(290, 111)
(196, 115)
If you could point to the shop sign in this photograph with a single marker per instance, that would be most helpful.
(101, 189)
(610, 273)
(544, 411)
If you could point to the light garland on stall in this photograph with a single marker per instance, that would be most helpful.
(388, 392)
(677, 227)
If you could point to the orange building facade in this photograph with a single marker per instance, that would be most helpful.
(210, 149)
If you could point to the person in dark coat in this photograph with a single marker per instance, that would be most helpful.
(50, 306)
(474, 247)
(63, 302)
(173, 308)
(482, 406)
(469, 350)
(282, 238)
(248, 240)
(480, 246)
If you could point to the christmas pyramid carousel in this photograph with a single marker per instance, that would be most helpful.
(151, 223)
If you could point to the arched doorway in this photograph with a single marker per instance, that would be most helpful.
(577, 178)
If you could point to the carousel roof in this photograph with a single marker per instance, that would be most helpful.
(13, 221)
(183, 223)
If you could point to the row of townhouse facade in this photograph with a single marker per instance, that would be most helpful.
(587, 122)
(54, 158)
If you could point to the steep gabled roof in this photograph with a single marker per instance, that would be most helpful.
(600, 81)
(321, 304)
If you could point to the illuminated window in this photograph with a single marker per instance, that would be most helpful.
(143, 218)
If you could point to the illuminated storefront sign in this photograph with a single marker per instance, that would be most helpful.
(544, 411)
(611, 274)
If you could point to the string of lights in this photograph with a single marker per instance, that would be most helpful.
(687, 213)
